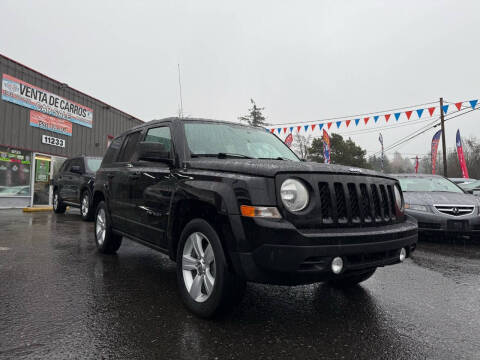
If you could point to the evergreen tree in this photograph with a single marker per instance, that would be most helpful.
(255, 116)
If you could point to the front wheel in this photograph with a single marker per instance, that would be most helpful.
(85, 207)
(206, 285)
(58, 206)
(352, 279)
(107, 241)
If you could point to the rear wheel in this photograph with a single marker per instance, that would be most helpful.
(85, 207)
(206, 285)
(352, 279)
(107, 241)
(58, 206)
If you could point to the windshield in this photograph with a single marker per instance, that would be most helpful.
(93, 164)
(428, 184)
(225, 140)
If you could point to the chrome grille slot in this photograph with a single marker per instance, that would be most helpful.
(455, 210)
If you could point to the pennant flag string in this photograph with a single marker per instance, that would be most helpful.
(408, 114)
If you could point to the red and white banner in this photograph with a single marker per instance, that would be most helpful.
(289, 140)
(24, 94)
(46, 122)
(461, 157)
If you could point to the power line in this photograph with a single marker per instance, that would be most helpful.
(352, 116)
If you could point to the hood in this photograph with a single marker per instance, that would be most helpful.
(271, 168)
(438, 197)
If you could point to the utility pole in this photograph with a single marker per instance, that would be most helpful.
(444, 146)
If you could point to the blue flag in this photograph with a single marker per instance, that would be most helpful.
(306, 128)
(445, 109)
(357, 121)
(376, 117)
(397, 115)
(338, 124)
(419, 113)
(473, 103)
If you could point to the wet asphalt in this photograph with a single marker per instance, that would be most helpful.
(60, 299)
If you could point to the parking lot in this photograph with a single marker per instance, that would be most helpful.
(61, 299)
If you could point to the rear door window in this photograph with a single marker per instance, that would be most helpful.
(112, 152)
(128, 151)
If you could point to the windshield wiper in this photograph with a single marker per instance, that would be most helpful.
(222, 155)
(275, 158)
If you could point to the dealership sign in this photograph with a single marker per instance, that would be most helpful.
(21, 93)
(47, 122)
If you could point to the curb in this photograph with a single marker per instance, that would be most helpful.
(38, 209)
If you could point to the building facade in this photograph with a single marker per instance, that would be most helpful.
(42, 122)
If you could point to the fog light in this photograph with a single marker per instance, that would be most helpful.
(403, 254)
(337, 265)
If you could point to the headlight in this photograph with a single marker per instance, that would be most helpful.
(294, 195)
(398, 198)
(416, 207)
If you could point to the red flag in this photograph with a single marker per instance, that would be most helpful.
(366, 120)
(289, 140)
(299, 128)
(408, 113)
(416, 165)
(313, 127)
(431, 110)
(272, 130)
(284, 130)
(387, 116)
(459, 105)
(461, 156)
(329, 124)
(348, 122)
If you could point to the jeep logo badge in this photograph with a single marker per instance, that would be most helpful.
(455, 211)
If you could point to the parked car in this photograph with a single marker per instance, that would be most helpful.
(471, 188)
(232, 203)
(461, 181)
(73, 185)
(439, 205)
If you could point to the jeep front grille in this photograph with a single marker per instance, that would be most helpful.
(455, 210)
(356, 203)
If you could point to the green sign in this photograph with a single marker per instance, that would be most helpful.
(42, 170)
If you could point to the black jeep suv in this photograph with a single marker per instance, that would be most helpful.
(73, 185)
(231, 203)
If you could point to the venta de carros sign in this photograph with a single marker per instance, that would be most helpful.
(22, 93)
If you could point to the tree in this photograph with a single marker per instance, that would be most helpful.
(300, 145)
(375, 163)
(342, 152)
(255, 116)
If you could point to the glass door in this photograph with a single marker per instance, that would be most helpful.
(41, 180)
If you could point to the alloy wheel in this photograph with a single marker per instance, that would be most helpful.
(101, 226)
(85, 205)
(198, 267)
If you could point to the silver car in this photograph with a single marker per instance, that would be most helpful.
(440, 206)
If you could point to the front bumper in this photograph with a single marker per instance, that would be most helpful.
(451, 225)
(284, 255)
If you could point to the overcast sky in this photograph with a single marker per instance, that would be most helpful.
(301, 60)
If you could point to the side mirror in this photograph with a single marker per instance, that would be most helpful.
(76, 169)
(153, 151)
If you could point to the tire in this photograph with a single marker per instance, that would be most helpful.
(352, 279)
(58, 206)
(206, 284)
(107, 241)
(86, 207)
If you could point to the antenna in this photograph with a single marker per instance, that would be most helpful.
(180, 90)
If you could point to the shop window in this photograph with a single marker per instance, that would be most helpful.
(15, 167)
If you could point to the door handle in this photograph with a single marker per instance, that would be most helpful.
(110, 176)
(134, 176)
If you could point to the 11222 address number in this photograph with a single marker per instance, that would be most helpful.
(50, 140)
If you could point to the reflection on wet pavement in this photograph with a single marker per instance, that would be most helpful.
(60, 299)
